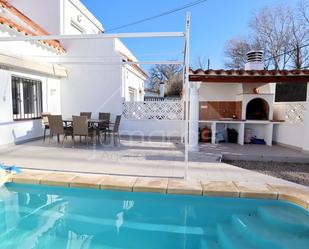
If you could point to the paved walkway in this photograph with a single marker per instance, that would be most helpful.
(132, 158)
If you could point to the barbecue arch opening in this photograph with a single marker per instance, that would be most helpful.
(257, 109)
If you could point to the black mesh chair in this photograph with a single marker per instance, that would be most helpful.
(106, 117)
(114, 130)
(86, 114)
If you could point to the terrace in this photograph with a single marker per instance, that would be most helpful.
(150, 158)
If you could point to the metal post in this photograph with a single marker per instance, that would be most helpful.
(92, 36)
(187, 71)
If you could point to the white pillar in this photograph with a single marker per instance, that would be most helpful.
(241, 133)
(306, 124)
(269, 134)
(213, 132)
(194, 116)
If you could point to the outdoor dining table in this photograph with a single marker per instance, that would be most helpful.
(91, 122)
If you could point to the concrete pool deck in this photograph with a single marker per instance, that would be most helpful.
(132, 158)
(143, 166)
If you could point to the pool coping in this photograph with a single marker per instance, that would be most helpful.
(299, 196)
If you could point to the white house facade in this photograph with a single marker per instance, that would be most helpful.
(59, 77)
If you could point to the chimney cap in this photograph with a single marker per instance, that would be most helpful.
(255, 60)
(255, 56)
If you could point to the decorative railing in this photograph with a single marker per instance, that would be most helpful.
(295, 113)
(153, 110)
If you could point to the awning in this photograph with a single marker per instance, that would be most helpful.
(52, 70)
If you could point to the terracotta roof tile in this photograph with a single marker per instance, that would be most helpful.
(36, 30)
(248, 72)
(249, 76)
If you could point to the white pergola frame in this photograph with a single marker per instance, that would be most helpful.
(185, 62)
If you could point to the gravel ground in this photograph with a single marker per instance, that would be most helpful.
(294, 172)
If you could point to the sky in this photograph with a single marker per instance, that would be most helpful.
(213, 23)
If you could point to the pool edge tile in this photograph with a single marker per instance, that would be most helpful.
(292, 194)
(30, 177)
(298, 196)
(220, 188)
(120, 183)
(61, 179)
(256, 190)
(176, 186)
(153, 185)
(85, 181)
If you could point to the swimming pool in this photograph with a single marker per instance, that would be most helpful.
(37, 217)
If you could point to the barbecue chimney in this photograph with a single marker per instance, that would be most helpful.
(255, 60)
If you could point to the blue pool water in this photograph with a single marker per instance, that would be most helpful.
(39, 217)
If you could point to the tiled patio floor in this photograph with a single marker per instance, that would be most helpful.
(131, 158)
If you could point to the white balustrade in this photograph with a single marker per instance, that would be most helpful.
(153, 110)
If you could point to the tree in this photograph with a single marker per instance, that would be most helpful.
(300, 36)
(170, 75)
(298, 40)
(235, 52)
(272, 29)
(303, 9)
(281, 32)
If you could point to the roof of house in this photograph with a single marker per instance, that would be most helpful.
(27, 26)
(136, 66)
(249, 76)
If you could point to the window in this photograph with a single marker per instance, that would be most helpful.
(289, 92)
(132, 94)
(26, 98)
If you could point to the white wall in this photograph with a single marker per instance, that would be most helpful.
(219, 91)
(55, 16)
(288, 133)
(45, 13)
(306, 129)
(92, 87)
(132, 78)
(16, 131)
(135, 81)
(97, 87)
(77, 19)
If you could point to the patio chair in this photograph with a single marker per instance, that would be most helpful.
(104, 116)
(86, 114)
(45, 123)
(56, 128)
(104, 126)
(115, 129)
(81, 128)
